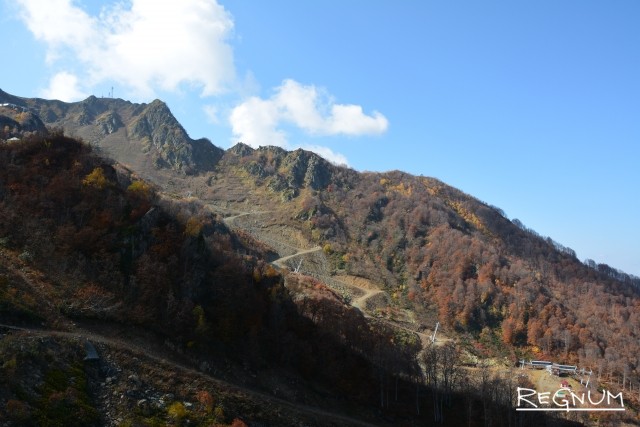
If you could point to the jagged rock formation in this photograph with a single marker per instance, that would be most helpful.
(283, 172)
(135, 134)
(109, 122)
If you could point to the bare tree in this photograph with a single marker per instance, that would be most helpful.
(449, 369)
(431, 359)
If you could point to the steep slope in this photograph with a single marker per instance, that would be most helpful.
(435, 251)
(146, 137)
(85, 242)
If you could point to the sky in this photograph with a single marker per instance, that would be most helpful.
(533, 107)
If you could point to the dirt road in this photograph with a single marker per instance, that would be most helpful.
(171, 365)
(280, 262)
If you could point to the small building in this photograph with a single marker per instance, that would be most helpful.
(560, 370)
(539, 364)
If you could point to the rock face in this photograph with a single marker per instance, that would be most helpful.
(284, 172)
(307, 169)
(109, 122)
(241, 150)
(115, 125)
(161, 132)
(139, 134)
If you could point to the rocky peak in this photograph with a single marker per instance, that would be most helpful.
(154, 122)
(153, 126)
(161, 132)
(273, 149)
(241, 150)
(308, 169)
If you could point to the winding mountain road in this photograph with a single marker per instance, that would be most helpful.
(280, 261)
(230, 219)
(359, 302)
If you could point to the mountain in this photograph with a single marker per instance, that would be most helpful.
(145, 135)
(437, 254)
(296, 274)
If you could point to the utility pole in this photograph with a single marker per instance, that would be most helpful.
(435, 331)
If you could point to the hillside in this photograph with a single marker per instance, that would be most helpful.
(438, 254)
(89, 250)
(293, 267)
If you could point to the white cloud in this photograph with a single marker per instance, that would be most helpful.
(64, 87)
(350, 120)
(257, 121)
(254, 122)
(144, 45)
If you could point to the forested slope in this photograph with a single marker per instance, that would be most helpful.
(446, 254)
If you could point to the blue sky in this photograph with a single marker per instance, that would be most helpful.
(533, 107)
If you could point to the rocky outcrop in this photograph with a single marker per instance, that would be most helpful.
(318, 174)
(162, 133)
(109, 123)
(307, 169)
(152, 125)
(241, 150)
(205, 155)
(284, 172)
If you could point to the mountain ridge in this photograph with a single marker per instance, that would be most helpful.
(110, 122)
(164, 144)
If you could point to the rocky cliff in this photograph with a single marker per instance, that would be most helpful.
(117, 126)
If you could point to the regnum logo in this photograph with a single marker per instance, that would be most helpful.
(565, 399)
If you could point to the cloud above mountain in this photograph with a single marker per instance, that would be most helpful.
(145, 45)
(258, 121)
(64, 86)
(183, 48)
